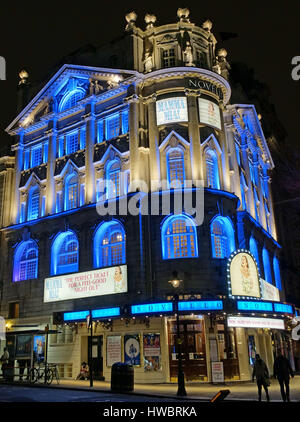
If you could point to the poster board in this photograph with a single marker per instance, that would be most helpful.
(113, 350)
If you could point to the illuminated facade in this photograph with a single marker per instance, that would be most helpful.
(96, 134)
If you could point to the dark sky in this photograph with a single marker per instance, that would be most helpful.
(37, 37)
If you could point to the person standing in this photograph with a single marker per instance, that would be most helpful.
(283, 371)
(4, 361)
(261, 372)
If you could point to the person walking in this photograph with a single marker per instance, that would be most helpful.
(261, 372)
(283, 371)
(4, 361)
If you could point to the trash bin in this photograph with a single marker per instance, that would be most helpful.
(122, 377)
(8, 371)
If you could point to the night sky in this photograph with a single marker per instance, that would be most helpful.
(38, 37)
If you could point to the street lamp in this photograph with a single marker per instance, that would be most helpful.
(180, 375)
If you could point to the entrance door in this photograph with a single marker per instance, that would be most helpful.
(95, 361)
(192, 349)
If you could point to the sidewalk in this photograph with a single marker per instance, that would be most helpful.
(196, 391)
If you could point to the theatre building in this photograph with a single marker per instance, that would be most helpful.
(148, 118)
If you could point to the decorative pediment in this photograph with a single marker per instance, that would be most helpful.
(110, 154)
(33, 180)
(211, 143)
(173, 140)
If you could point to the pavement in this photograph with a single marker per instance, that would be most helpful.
(245, 391)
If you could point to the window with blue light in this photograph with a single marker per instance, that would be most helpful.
(36, 156)
(72, 143)
(71, 192)
(65, 253)
(26, 158)
(82, 138)
(100, 132)
(71, 99)
(222, 237)
(33, 203)
(45, 158)
(267, 266)
(179, 237)
(276, 269)
(113, 179)
(113, 126)
(26, 261)
(109, 244)
(212, 170)
(253, 249)
(175, 167)
(61, 146)
(125, 122)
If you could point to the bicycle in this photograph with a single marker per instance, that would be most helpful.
(41, 374)
(55, 373)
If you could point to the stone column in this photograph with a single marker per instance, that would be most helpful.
(90, 190)
(249, 193)
(19, 154)
(194, 135)
(153, 135)
(224, 155)
(230, 129)
(133, 118)
(50, 186)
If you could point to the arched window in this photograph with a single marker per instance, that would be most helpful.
(267, 266)
(222, 237)
(212, 170)
(175, 167)
(65, 253)
(71, 192)
(71, 99)
(26, 261)
(253, 249)
(179, 237)
(33, 204)
(113, 177)
(109, 244)
(276, 269)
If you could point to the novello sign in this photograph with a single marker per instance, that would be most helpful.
(197, 83)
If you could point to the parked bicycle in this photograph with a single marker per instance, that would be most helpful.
(44, 374)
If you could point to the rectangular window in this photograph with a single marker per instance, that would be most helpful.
(61, 147)
(26, 159)
(113, 126)
(168, 58)
(36, 156)
(45, 158)
(125, 124)
(100, 134)
(82, 138)
(14, 310)
(72, 143)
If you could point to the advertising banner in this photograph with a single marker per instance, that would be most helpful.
(151, 343)
(217, 372)
(39, 348)
(268, 291)
(171, 110)
(209, 113)
(244, 276)
(132, 354)
(113, 350)
(104, 281)
(248, 322)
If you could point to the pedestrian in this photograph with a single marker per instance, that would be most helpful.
(261, 372)
(283, 371)
(4, 361)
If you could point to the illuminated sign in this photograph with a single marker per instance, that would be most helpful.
(171, 110)
(245, 322)
(268, 291)
(242, 275)
(108, 312)
(283, 308)
(99, 282)
(202, 305)
(254, 306)
(152, 308)
(209, 113)
(196, 83)
(76, 316)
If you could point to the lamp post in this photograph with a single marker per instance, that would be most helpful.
(180, 375)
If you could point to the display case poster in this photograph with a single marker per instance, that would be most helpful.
(39, 348)
(152, 353)
(23, 347)
(113, 350)
(132, 353)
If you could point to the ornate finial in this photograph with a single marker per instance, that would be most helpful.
(183, 14)
(23, 75)
(222, 52)
(221, 66)
(207, 25)
(131, 19)
(150, 20)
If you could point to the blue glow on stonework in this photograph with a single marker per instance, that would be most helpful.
(152, 308)
(109, 244)
(245, 213)
(33, 203)
(212, 169)
(71, 98)
(254, 306)
(64, 253)
(253, 249)
(125, 125)
(222, 237)
(105, 313)
(283, 308)
(276, 269)
(26, 261)
(267, 266)
(76, 316)
(175, 166)
(201, 305)
(71, 194)
(179, 237)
